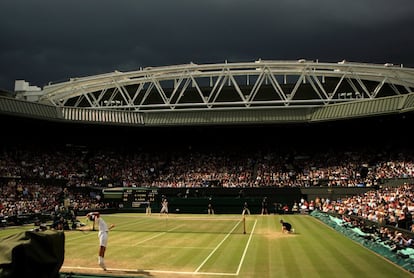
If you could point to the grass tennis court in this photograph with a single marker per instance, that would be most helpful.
(185, 245)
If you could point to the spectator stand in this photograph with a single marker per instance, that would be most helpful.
(371, 235)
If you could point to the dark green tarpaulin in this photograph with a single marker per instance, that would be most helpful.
(32, 254)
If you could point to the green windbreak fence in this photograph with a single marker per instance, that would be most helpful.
(32, 254)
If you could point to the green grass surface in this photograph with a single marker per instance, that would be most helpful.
(216, 246)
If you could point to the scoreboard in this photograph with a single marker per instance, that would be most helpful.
(139, 197)
(132, 197)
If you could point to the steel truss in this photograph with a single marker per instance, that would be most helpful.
(258, 84)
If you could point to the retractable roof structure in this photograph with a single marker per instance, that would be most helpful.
(258, 84)
(264, 91)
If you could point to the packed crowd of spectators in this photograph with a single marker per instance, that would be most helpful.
(24, 171)
(386, 206)
(21, 203)
(81, 167)
(383, 216)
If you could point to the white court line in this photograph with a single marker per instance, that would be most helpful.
(245, 249)
(196, 272)
(181, 217)
(151, 270)
(157, 235)
(217, 247)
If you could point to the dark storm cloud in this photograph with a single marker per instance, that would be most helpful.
(52, 40)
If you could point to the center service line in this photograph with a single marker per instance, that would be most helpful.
(245, 249)
(215, 249)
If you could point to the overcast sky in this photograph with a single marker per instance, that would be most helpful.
(53, 40)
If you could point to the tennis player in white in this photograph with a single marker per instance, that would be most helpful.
(164, 208)
(102, 235)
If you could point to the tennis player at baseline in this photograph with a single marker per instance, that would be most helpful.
(102, 235)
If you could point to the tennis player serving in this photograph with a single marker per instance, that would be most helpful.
(102, 235)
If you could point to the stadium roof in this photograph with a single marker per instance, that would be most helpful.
(260, 91)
